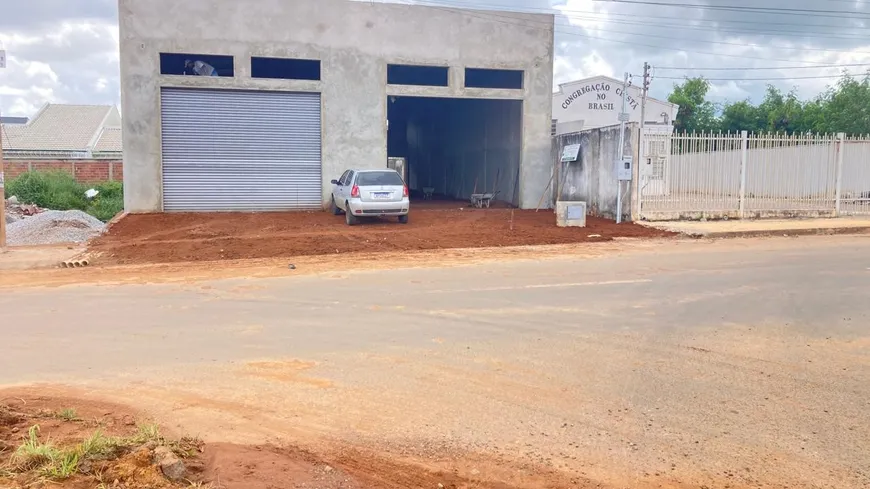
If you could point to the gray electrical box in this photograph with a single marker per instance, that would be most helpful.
(623, 169)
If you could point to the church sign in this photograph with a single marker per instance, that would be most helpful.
(603, 96)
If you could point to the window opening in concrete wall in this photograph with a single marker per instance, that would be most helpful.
(432, 76)
(285, 68)
(489, 78)
(196, 64)
(455, 147)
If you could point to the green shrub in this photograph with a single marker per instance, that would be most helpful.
(105, 208)
(52, 190)
(111, 190)
(60, 191)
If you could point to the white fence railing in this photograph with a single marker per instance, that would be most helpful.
(753, 175)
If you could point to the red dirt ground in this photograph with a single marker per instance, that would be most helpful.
(170, 238)
(216, 465)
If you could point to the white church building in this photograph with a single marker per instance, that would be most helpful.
(596, 102)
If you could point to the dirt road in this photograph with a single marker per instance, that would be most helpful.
(169, 238)
(743, 364)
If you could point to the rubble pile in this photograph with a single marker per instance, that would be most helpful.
(29, 225)
(16, 211)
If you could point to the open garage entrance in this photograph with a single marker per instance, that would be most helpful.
(457, 147)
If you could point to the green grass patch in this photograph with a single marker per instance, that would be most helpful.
(34, 454)
(59, 191)
(45, 460)
(68, 414)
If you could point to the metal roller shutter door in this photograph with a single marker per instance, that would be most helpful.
(238, 150)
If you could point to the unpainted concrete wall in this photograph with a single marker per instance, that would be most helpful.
(591, 178)
(355, 42)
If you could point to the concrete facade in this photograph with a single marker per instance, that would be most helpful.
(355, 41)
(596, 102)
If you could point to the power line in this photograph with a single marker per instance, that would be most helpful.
(695, 40)
(847, 14)
(772, 32)
(561, 11)
(686, 68)
(757, 79)
(490, 15)
(725, 43)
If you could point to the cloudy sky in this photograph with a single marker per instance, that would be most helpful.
(67, 50)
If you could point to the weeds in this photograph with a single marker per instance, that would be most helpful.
(67, 414)
(146, 432)
(97, 445)
(64, 466)
(34, 454)
(47, 461)
(60, 463)
(202, 485)
(60, 191)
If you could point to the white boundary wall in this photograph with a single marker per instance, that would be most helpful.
(740, 175)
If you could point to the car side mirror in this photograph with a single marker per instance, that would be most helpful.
(334, 182)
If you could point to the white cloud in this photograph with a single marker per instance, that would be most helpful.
(51, 58)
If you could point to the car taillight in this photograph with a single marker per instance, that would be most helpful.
(354, 192)
(404, 190)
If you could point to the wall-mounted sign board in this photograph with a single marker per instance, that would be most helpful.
(570, 153)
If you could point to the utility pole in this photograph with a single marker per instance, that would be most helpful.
(623, 118)
(646, 80)
(2, 177)
(2, 195)
(641, 150)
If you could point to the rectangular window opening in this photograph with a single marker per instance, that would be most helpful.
(188, 64)
(489, 78)
(430, 76)
(285, 68)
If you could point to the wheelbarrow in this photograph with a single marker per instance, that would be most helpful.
(482, 200)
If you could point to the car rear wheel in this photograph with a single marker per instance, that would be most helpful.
(403, 219)
(349, 218)
(336, 211)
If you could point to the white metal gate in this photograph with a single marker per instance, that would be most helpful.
(240, 150)
(753, 175)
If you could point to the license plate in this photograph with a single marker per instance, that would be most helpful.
(382, 195)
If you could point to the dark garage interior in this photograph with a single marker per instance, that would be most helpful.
(457, 146)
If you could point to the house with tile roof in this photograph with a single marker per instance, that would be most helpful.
(82, 139)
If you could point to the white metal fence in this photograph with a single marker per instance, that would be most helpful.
(753, 175)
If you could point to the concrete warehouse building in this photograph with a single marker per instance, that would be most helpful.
(297, 91)
(596, 102)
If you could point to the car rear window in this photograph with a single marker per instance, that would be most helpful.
(379, 178)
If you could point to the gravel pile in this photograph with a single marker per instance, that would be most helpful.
(54, 227)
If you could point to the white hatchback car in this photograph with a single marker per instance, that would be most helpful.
(370, 193)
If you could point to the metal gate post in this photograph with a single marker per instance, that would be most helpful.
(744, 136)
(841, 141)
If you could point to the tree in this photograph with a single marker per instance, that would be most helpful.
(844, 107)
(778, 112)
(695, 114)
(741, 116)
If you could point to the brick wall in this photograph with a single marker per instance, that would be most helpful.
(85, 171)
